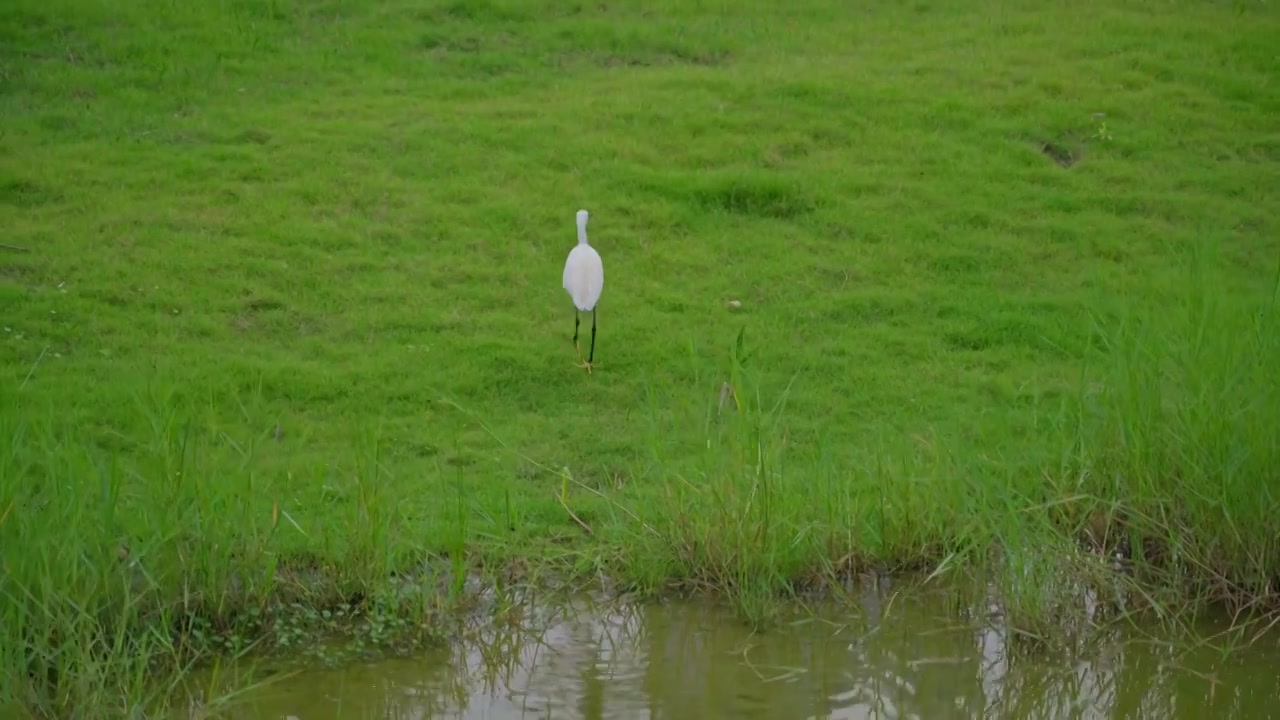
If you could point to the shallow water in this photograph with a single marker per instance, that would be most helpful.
(887, 655)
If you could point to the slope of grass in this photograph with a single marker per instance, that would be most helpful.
(282, 314)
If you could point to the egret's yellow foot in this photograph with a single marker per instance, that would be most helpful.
(582, 362)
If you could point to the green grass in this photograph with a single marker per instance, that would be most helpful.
(285, 318)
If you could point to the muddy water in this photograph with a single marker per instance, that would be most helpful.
(884, 655)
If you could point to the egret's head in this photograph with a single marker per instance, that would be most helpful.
(582, 225)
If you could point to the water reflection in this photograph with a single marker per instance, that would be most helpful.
(909, 658)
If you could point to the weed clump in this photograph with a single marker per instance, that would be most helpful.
(752, 195)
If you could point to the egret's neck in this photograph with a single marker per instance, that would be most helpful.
(582, 231)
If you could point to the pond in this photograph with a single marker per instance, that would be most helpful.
(879, 654)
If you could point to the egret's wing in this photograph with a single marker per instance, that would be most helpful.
(595, 277)
(584, 276)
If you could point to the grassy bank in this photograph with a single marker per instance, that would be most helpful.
(283, 333)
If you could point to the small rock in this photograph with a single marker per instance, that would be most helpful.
(734, 304)
(727, 393)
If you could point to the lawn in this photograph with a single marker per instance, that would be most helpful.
(282, 312)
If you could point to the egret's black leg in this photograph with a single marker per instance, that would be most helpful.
(592, 355)
(576, 350)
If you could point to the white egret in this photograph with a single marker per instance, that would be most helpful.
(584, 279)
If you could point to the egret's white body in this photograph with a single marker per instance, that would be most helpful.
(583, 270)
(584, 279)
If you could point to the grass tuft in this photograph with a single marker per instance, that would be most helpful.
(1178, 441)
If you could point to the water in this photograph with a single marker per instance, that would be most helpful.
(886, 656)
